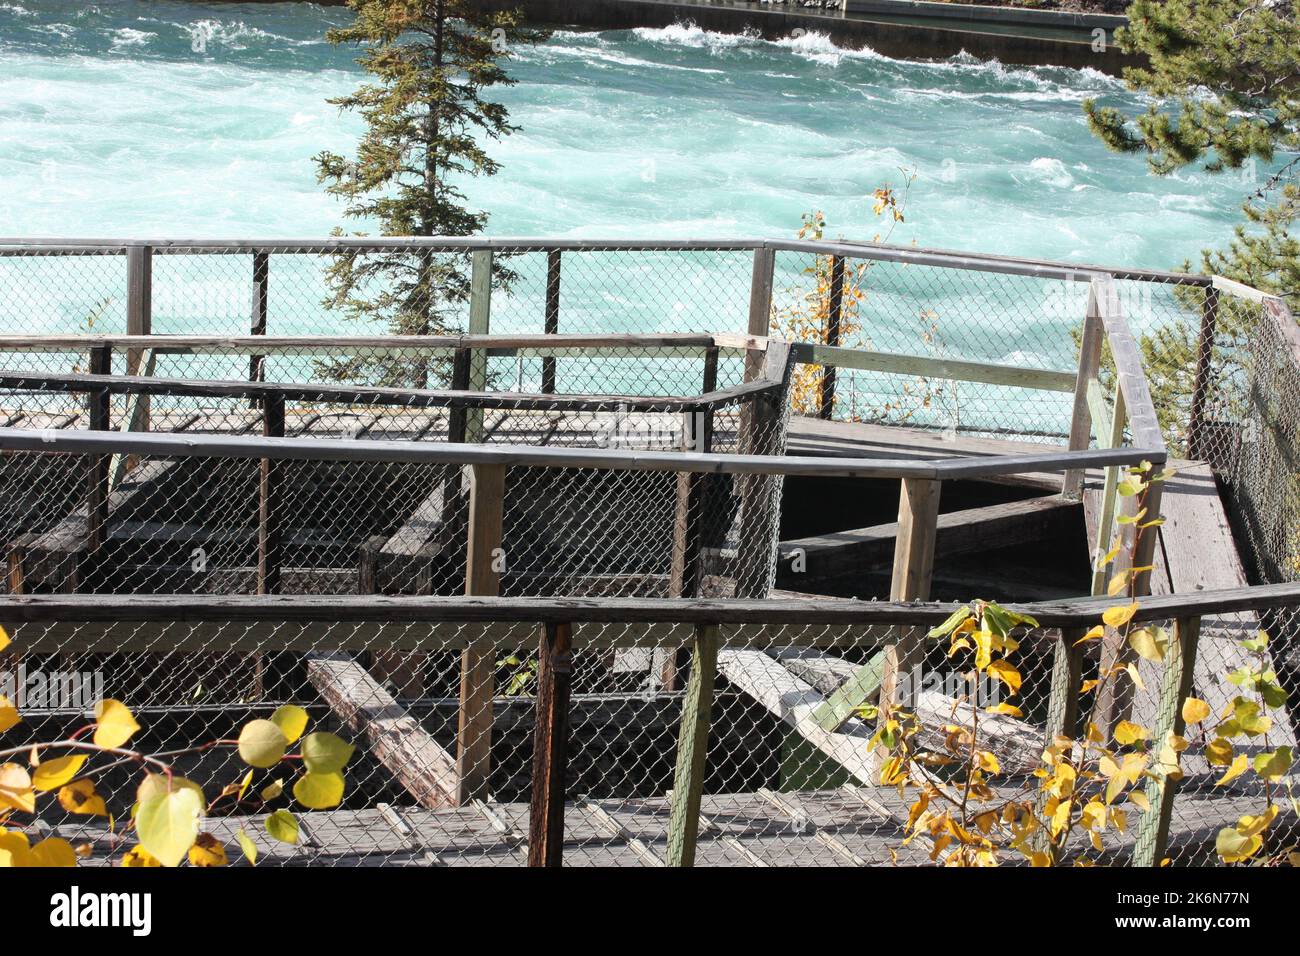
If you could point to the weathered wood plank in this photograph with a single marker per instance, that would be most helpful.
(393, 736)
(956, 370)
(478, 664)
(956, 532)
(692, 746)
(550, 746)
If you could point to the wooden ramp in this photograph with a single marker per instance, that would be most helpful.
(1197, 553)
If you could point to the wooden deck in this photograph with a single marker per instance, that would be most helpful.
(849, 826)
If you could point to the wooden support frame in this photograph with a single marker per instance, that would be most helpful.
(551, 320)
(918, 514)
(1094, 333)
(692, 747)
(257, 320)
(98, 472)
(139, 310)
(550, 745)
(480, 319)
(826, 400)
(1109, 500)
(478, 663)
(1175, 687)
(270, 505)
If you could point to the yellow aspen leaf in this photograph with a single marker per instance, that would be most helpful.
(1005, 672)
(283, 826)
(983, 648)
(1061, 817)
(1140, 799)
(1273, 766)
(54, 851)
(1236, 770)
(15, 851)
(9, 715)
(272, 790)
(84, 851)
(291, 720)
(4, 638)
(1088, 686)
(53, 774)
(1233, 847)
(1218, 752)
(1135, 676)
(16, 791)
(1151, 644)
(319, 791)
(1095, 839)
(138, 856)
(1010, 710)
(1127, 733)
(1195, 710)
(157, 783)
(168, 824)
(114, 724)
(246, 846)
(244, 785)
(80, 797)
(1118, 583)
(262, 744)
(1120, 614)
(1094, 634)
(1257, 824)
(207, 851)
(1040, 858)
(989, 762)
(325, 753)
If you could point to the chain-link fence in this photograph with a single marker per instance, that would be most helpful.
(788, 775)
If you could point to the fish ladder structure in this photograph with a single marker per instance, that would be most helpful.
(627, 598)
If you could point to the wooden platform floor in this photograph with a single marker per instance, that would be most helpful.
(850, 826)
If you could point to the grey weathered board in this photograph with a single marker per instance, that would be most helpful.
(1197, 553)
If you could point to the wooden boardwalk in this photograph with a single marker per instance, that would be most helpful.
(849, 826)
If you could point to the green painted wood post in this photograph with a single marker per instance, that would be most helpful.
(692, 744)
(1063, 705)
(480, 317)
(1175, 687)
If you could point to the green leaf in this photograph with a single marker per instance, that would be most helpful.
(168, 824)
(319, 791)
(325, 753)
(283, 826)
(246, 846)
(1273, 766)
(291, 720)
(953, 621)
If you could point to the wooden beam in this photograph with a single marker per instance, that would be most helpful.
(918, 513)
(270, 505)
(257, 321)
(1006, 524)
(392, 736)
(551, 320)
(550, 746)
(1175, 687)
(692, 747)
(957, 370)
(478, 664)
(1081, 425)
(826, 403)
(97, 466)
(480, 317)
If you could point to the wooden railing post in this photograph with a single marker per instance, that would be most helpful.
(139, 314)
(1175, 687)
(1109, 496)
(551, 324)
(458, 415)
(760, 306)
(1067, 678)
(918, 516)
(480, 320)
(1204, 362)
(834, 308)
(478, 661)
(98, 471)
(550, 746)
(270, 503)
(1094, 332)
(761, 434)
(261, 277)
(692, 746)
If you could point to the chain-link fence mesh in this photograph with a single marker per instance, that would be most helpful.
(783, 783)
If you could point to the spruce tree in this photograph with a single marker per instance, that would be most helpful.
(427, 117)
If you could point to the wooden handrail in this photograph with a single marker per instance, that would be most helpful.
(728, 613)
(376, 395)
(332, 449)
